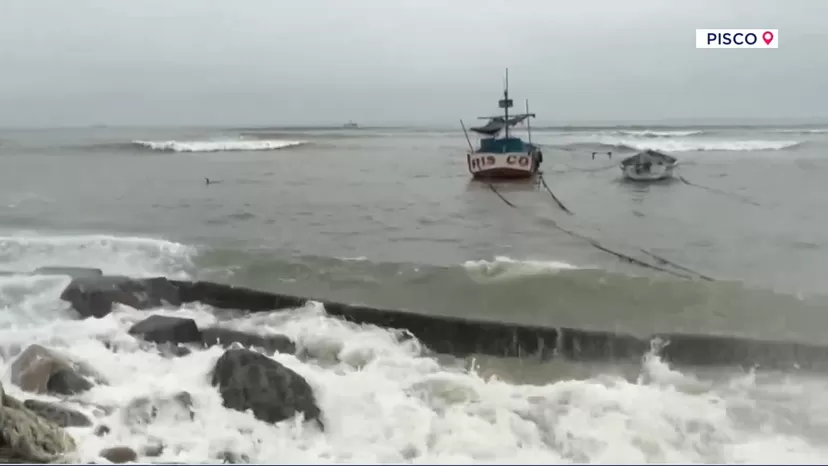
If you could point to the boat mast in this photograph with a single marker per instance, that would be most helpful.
(505, 104)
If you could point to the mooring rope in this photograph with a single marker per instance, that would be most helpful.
(625, 257)
(554, 197)
(719, 191)
(678, 266)
(501, 196)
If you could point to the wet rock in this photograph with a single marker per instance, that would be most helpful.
(41, 370)
(66, 381)
(154, 449)
(26, 437)
(165, 329)
(74, 272)
(119, 455)
(102, 430)
(95, 296)
(229, 457)
(225, 337)
(273, 392)
(57, 414)
(145, 410)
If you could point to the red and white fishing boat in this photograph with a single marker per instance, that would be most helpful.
(507, 157)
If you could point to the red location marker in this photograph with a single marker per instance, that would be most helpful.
(767, 37)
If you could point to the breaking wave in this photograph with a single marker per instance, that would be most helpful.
(685, 145)
(692, 146)
(658, 134)
(802, 131)
(218, 145)
(385, 400)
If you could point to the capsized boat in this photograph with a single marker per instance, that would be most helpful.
(506, 157)
(648, 165)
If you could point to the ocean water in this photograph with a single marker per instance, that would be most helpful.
(388, 217)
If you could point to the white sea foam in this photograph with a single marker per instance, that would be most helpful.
(353, 259)
(505, 268)
(383, 399)
(658, 134)
(219, 145)
(802, 131)
(692, 145)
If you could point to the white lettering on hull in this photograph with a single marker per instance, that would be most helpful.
(519, 161)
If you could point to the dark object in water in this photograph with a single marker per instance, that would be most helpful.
(165, 329)
(273, 392)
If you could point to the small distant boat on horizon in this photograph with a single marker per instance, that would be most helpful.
(350, 124)
(508, 157)
(648, 165)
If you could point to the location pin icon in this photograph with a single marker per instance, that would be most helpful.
(767, 37)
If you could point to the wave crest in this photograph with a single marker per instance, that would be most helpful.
(647, 133)
(683, 145)
(712, 145)
(217, 145)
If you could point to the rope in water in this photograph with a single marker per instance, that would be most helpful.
(554, 197)
(719, 191)
(596, 244)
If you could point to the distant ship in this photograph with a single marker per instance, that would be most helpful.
(350, 124)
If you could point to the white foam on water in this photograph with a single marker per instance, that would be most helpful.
(505, 268)
(658, 134)
(353, 259)
(117, 255)
(694, 145)
(385, 401)
(218, 145)
(802, 130)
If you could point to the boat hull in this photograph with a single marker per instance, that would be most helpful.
(504, 166)
(655, 172)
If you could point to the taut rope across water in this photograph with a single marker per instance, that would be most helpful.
(718, 191)
(596, 244)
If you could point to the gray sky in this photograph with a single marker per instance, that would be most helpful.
(276, 62)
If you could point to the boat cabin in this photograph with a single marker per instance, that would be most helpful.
(503, 145)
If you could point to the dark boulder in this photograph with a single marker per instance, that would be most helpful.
(250, 380)
(74, 272)
(66, 381)
(95, 296)
(41, 370)
(230, 457)
(164, 329)
(119, 455)
(59, 415)
(225, 337)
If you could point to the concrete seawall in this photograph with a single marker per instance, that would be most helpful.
(468, 336)
(93, 296)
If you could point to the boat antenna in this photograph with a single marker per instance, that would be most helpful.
(528, 122)
(505, 104)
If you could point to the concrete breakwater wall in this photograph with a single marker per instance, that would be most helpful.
(93, 294)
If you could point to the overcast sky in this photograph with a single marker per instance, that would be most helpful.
(275, 62)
